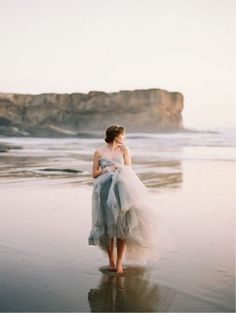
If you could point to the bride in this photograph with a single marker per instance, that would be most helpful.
(122, 212)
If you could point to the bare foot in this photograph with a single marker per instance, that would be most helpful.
(119, 269)
(112, 266)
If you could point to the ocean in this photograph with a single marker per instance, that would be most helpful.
(76, 154)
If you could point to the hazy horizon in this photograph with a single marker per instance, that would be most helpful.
(78, 46)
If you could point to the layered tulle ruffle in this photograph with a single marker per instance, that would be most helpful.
(127, 213)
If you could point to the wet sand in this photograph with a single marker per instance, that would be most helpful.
(47, 265)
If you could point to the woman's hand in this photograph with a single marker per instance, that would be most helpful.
(110, 168)
(118, 165)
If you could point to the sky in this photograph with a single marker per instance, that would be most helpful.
(66, 46)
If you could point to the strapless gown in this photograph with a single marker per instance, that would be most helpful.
(122, 208)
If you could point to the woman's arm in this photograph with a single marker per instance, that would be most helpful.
(98, 171)
(127, 156)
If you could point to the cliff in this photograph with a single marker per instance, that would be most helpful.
(52, 114)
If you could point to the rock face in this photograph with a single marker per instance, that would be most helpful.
(51, 114)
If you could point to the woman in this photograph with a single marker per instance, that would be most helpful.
(122, 213)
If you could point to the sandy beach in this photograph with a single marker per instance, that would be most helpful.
(46, 262)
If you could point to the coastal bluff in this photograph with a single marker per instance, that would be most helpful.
(88, 114)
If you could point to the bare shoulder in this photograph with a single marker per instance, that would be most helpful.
(97, 151)
(124, 148)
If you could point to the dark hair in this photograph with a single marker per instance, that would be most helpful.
(113, 131)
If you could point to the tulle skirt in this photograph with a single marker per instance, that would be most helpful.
(122, 207)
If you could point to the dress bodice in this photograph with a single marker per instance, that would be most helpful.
(104, 161)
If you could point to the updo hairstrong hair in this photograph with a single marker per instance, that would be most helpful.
(113, 131)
